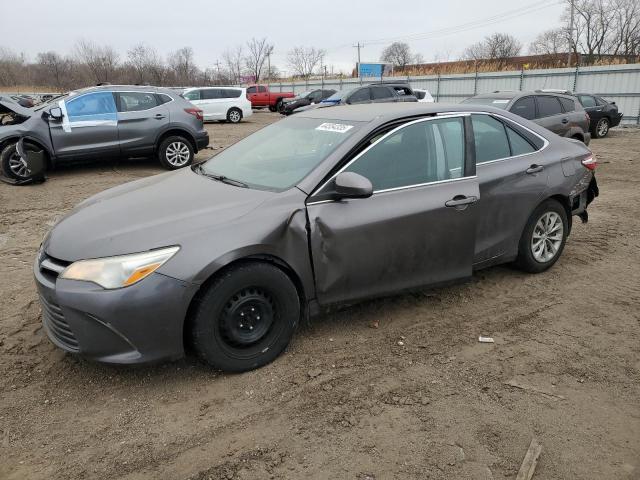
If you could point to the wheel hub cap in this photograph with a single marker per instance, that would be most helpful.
(547, 237)
(178, 154)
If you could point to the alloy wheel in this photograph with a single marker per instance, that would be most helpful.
(234, 116)
(178, 154)
(18, 166)
(547, 237)
(603, 127)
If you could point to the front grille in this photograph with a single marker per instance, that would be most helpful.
(52, 266)
(56, 325)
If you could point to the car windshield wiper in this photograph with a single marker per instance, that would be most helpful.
(221, 178)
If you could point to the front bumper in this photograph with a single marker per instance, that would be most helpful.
(139, 324)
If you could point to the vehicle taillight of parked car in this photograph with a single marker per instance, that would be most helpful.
(590, 162)
(196, 112)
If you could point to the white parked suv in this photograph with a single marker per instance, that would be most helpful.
(220, 103)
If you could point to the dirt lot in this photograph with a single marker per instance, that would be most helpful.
(395, 388)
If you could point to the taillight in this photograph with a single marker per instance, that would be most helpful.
(195, 112)
(586, 114)
(590, 162)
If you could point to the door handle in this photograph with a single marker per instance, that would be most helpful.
(159, 116)
(460, 201)
(565, 120)
(535, 169)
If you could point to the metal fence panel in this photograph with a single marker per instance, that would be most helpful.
(619, 83)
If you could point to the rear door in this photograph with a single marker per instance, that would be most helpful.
(89, 127)
(513, 179)
(141, 117)
(551, 116)
(212, 103)
(591, 106)
(418, 227)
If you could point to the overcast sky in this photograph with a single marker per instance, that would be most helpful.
(211, 26)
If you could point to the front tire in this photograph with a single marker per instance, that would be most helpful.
(543, 238)
(234, 115)
(245, 318)
(175, 152)
(13, 166)
(602, 128)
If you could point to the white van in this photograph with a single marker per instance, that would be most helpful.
(220, 103)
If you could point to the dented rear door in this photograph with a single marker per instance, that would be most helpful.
(418, 228)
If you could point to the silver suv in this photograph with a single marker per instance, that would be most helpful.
(562, 114)
(100, 122)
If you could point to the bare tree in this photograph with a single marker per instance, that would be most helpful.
(303, 60)
(626, 31)
(233, 59)
(593, 26)
(101, 61)
(12, 68)
(497, 47)
(182, 64)
(55, 71)
(550, 42)
(398, 54)
(256, 56)
(145, 64)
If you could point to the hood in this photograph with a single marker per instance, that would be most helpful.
(150, 213)
(7, 105)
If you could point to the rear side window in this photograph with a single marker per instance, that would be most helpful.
(378, 93)
(230, 93)
(525, 107)
(567, 104)
(490, 138)
(361, 95)
(424, 152)
(209, 94)
(519, 145)
(136, 101)
(587, 101)
(251, 90)
(192, 95)
(403, 90)
(163, 98)
(548, 106)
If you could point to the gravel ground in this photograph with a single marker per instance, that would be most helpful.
(392, 388)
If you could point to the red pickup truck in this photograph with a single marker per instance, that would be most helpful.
(260, 96)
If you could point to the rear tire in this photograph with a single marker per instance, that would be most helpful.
(245, 318)
(602, 128)
(234, 115)
(175, 152)
(543, 238)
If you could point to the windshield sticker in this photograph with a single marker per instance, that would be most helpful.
(500, 101)
(334, 127)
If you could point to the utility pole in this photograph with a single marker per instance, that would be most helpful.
(217, 64)
(571, 49)
(359, 46)
(269, 52)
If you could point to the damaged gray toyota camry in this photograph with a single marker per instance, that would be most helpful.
(329, 206)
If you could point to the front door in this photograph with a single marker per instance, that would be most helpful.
(418, 227)
(89, 126)
(141, 118)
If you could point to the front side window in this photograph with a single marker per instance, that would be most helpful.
(98, 106)
(192, 95)
(361, 95)
(548, 106)
(136, 101)
(277, 157)
(587, 101)
(423, 152)
(262, 89)
(490, 138)
(525, 107)
(252, 90)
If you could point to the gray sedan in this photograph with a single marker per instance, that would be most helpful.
(329, 206)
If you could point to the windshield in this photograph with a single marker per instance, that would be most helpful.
(304, 94)
(339, 95)
(280, 155)
(493, 102)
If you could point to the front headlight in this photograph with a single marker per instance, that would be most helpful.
(121, 271)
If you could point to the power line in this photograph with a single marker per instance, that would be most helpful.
(508, 15)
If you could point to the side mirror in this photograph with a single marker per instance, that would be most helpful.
(56, 113)
(352, 185)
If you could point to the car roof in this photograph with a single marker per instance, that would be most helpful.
(125, 88)
(214, 86)
(511, 94)
(390, 111)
